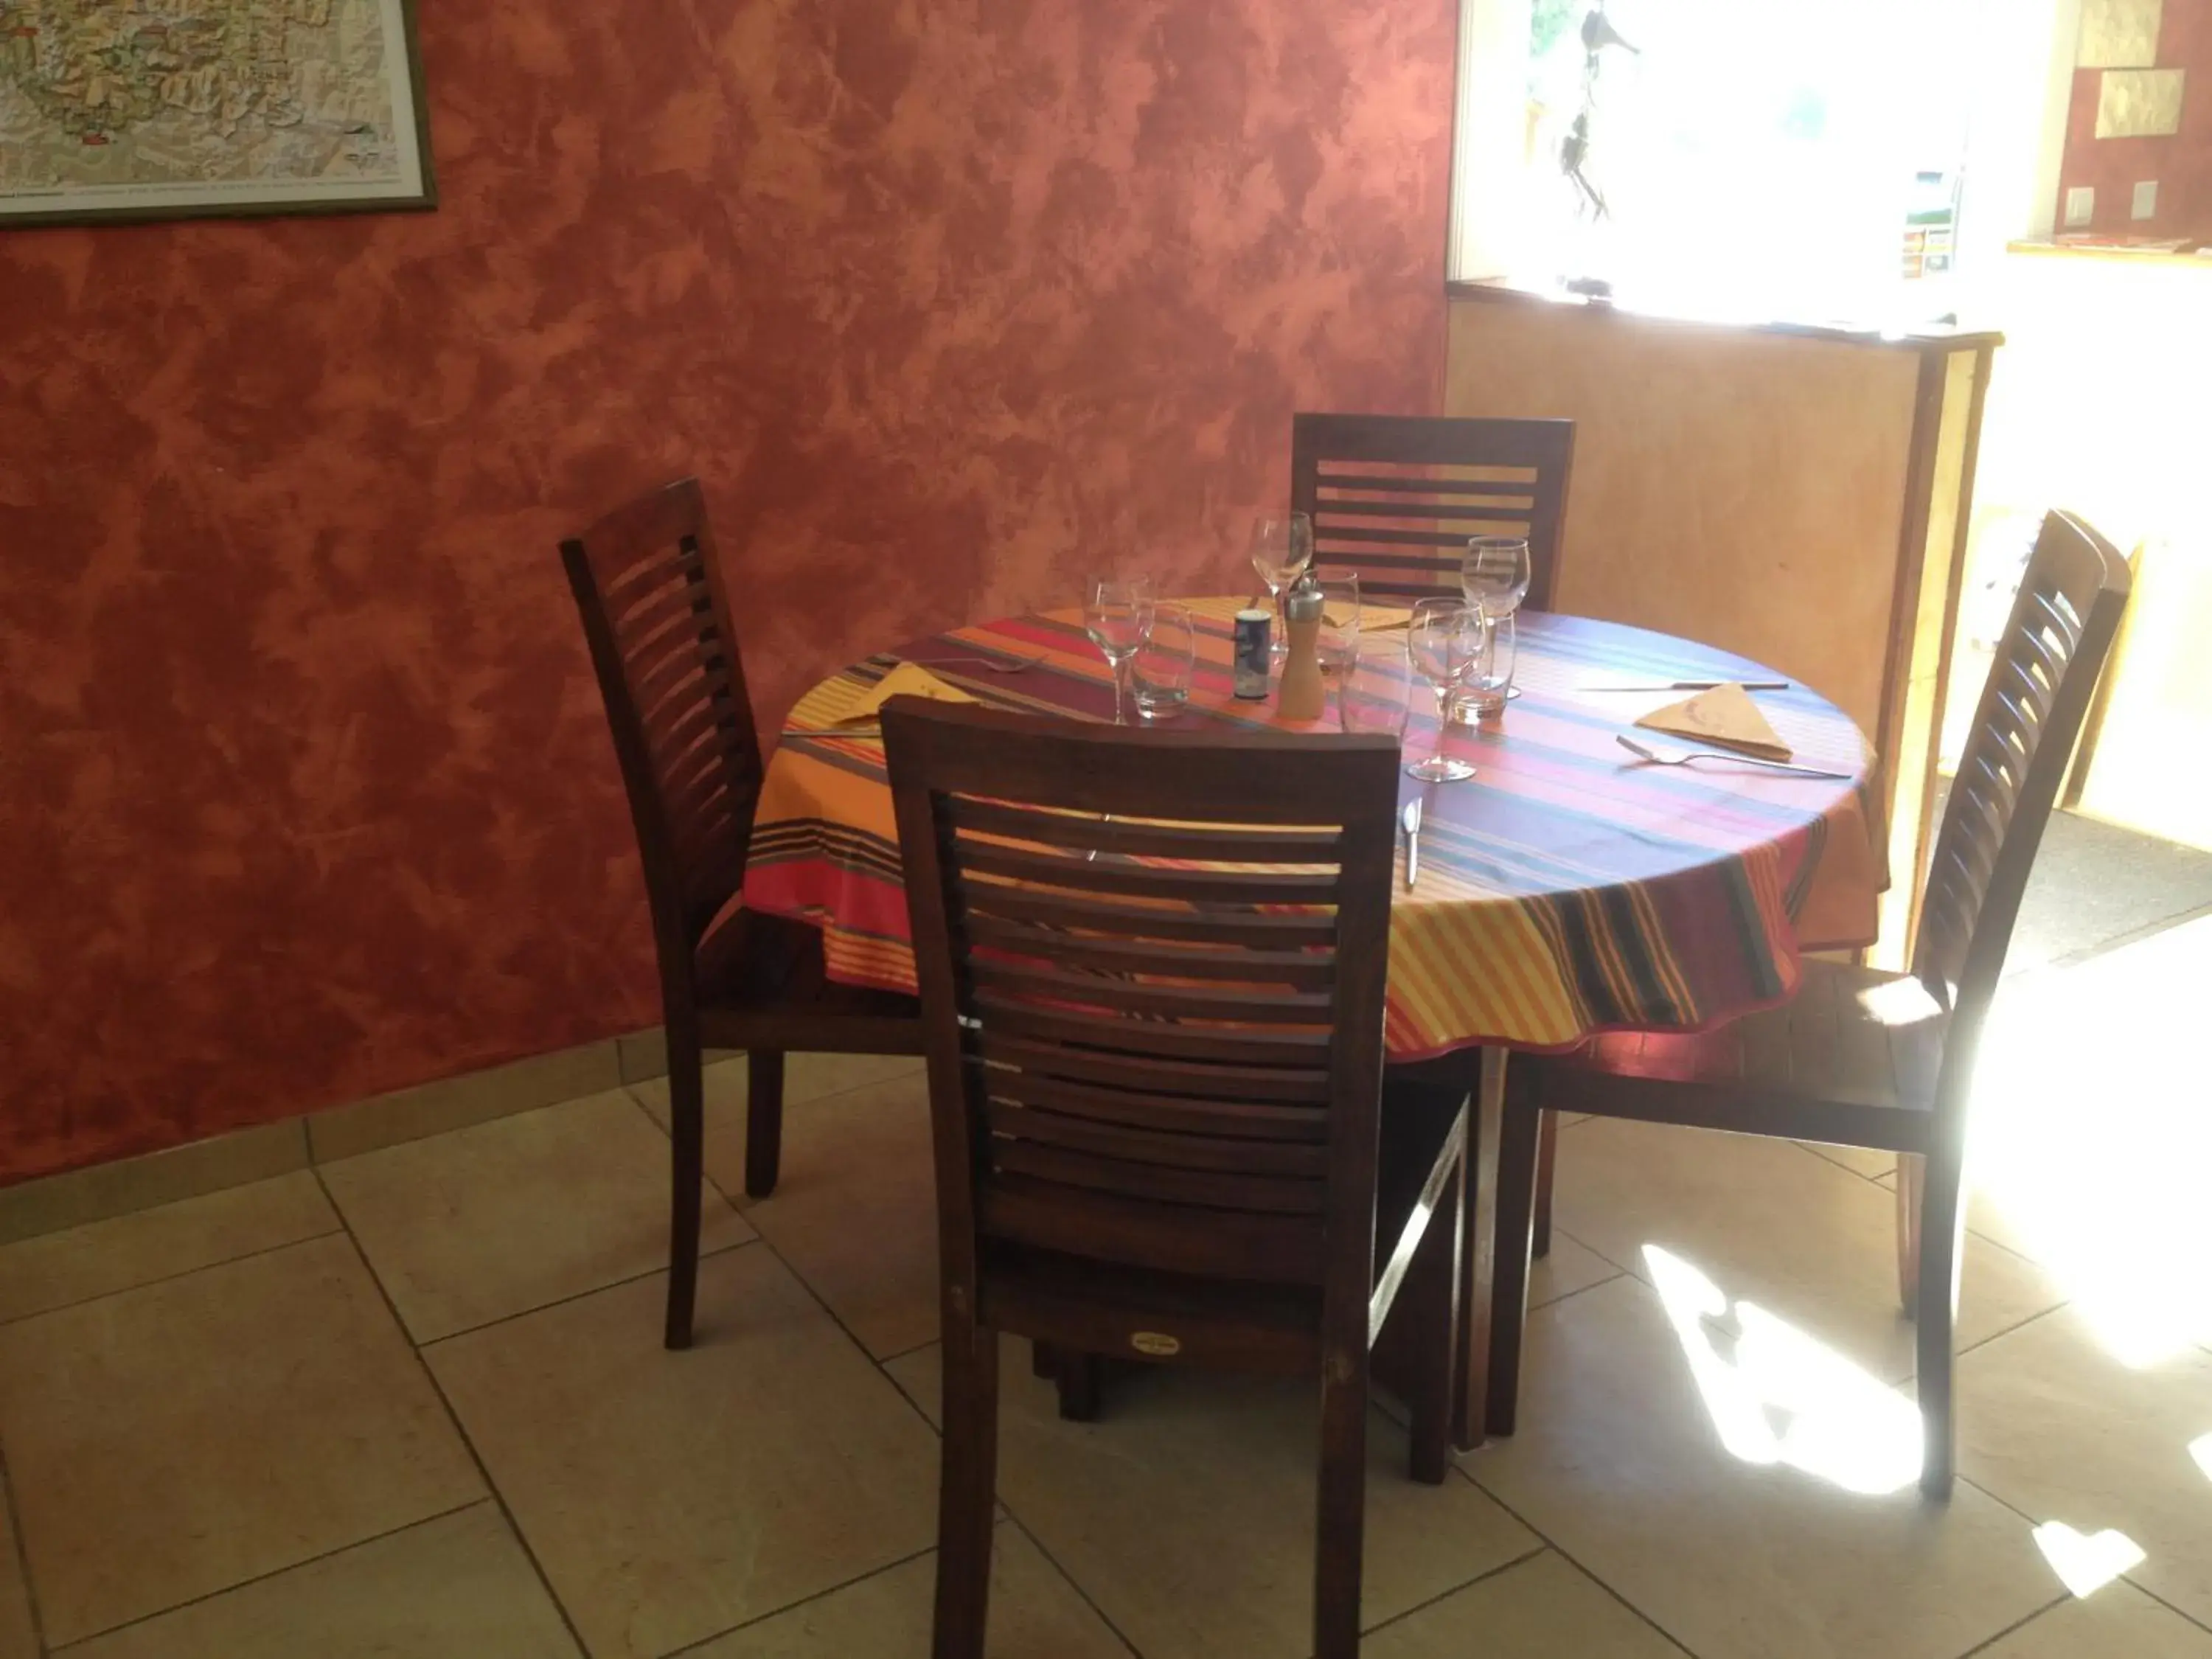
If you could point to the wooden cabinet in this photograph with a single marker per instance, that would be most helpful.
(1799, 496)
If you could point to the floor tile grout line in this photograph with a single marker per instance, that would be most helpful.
(2018, 1326)
(460, 1431)
(1614, 1277)
(1566, 1555)
(2136, 1584)
(807, 1600)
(2004, 1503)
(563, 1301)
(1067, 1576)
(22, 1552)
(904, 1353)
(2055, 1602)
(1541, 1545)
(171, 1278)
(320, 1556)
(1558, 1231)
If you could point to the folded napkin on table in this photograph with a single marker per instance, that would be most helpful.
(909, 679)
(1725, 715)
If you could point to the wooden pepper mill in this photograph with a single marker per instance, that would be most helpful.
(1303, 696)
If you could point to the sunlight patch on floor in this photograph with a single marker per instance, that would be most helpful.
(2201, 1449)
(2086, 1564)
(2092, 1136)
(1778, 1395)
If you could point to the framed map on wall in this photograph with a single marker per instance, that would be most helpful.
(158, 109)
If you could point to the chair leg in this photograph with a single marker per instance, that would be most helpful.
(1912, 1178)
(1081, 1377)
(1942, 1241)
(966, 1488)
(1341, 1536)
(1431, 1295)
(1520, 1165)
(1547, 1152)
(763, 1121)
(686, 1136)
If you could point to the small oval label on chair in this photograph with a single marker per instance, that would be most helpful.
(1156, 1343)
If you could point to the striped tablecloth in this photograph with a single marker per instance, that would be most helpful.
(1564, 891)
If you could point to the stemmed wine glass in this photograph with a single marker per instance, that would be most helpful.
(1281, 550)
(1495, 575)
(1443, 642)
(1117, 614)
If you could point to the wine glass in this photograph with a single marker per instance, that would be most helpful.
(1375, 687)
(1496, 572)
(1340, 618)
(1443, 642)
(1117, 614)
(1161, 674)
(1281, 550)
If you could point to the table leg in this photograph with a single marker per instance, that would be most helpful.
(1479, 1255)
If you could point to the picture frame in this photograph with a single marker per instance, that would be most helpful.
(360, 152)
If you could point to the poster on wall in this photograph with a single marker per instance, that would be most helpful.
(161, 109)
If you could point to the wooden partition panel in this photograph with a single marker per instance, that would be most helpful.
(1796, 496)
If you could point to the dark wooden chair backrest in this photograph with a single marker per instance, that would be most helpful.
(658, 622)
(1395, 497)
(2038, 693)
(1170, 1057)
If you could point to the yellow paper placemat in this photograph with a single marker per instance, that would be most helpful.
(1725, 715)
(909, 679)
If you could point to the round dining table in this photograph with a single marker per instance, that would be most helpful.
(1567, 889)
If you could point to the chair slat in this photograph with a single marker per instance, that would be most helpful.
(1304, 970)
(1512, 509)
(1329, 482)
(1049, 989)
(1164, 1075)
(1215, 844)
(1172, 1149)
(1225, 1121)
(1156, 1182)
(1200, 923)
(1155, 1038)
(650, 594)
(1111, 876)
(1336, 460)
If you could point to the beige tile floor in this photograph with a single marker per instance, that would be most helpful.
(413, 1403)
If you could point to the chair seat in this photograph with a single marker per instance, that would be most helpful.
(1851, 1059)
(761, 984)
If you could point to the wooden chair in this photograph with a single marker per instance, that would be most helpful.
(1863, 1058)
(1395, 497)
(1155, 1077)
(658, 622)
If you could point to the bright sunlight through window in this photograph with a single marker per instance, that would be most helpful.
(1777, 1395)
(1722, 158)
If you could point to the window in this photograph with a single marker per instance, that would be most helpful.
(1798, 158)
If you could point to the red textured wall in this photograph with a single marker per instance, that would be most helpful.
(2181, 163)
(304, 790)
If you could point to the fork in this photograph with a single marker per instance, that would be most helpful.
(1658, 759)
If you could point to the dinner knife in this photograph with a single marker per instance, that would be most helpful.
(1697, 685)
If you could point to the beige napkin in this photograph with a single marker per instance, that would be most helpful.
(1725, 715)
(909, 679)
